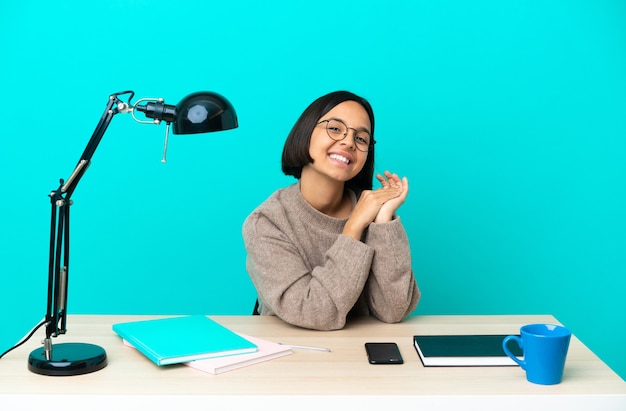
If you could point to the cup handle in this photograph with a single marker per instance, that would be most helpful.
(518, 340)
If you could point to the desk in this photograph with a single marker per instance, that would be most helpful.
(310, 379)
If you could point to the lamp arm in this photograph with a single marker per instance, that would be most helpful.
(113, 107)
(58, 264)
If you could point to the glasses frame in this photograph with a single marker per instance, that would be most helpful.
(369, 147)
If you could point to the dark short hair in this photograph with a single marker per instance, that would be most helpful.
(296, 150)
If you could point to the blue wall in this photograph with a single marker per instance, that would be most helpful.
(508, 117)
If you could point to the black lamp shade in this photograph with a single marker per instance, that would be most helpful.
(203, 112)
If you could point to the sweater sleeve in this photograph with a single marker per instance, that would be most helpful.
(391, 290)
(318, 297)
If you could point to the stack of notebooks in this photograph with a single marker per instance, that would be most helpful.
(198, 342)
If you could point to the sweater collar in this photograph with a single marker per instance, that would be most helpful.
(310, 214)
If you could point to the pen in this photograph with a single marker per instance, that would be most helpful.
(307, 347)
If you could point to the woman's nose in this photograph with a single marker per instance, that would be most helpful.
(349, 140)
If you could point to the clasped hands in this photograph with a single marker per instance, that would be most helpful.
(379, 205)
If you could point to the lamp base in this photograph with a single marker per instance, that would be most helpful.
(68, 359)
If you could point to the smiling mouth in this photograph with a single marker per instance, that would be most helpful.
(340, 158)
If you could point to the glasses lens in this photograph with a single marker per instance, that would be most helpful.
(336, 129)
(362, 140)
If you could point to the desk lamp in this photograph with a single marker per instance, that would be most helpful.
(197, 113)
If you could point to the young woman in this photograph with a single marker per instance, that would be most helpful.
(329, 247)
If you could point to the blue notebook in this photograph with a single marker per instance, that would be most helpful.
(182, 339)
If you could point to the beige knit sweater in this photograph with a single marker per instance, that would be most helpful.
(310, 275)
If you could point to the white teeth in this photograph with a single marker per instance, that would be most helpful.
(340, 158)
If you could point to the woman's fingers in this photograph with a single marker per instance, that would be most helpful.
(390, 180)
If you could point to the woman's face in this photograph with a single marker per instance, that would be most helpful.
(340, 160)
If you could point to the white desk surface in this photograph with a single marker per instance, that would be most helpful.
(310, 379)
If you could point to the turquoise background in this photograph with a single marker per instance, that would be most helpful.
(509, 118)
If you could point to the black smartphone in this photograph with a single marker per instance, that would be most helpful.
(383, 353)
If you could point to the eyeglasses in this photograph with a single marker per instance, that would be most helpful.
(337, 130)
